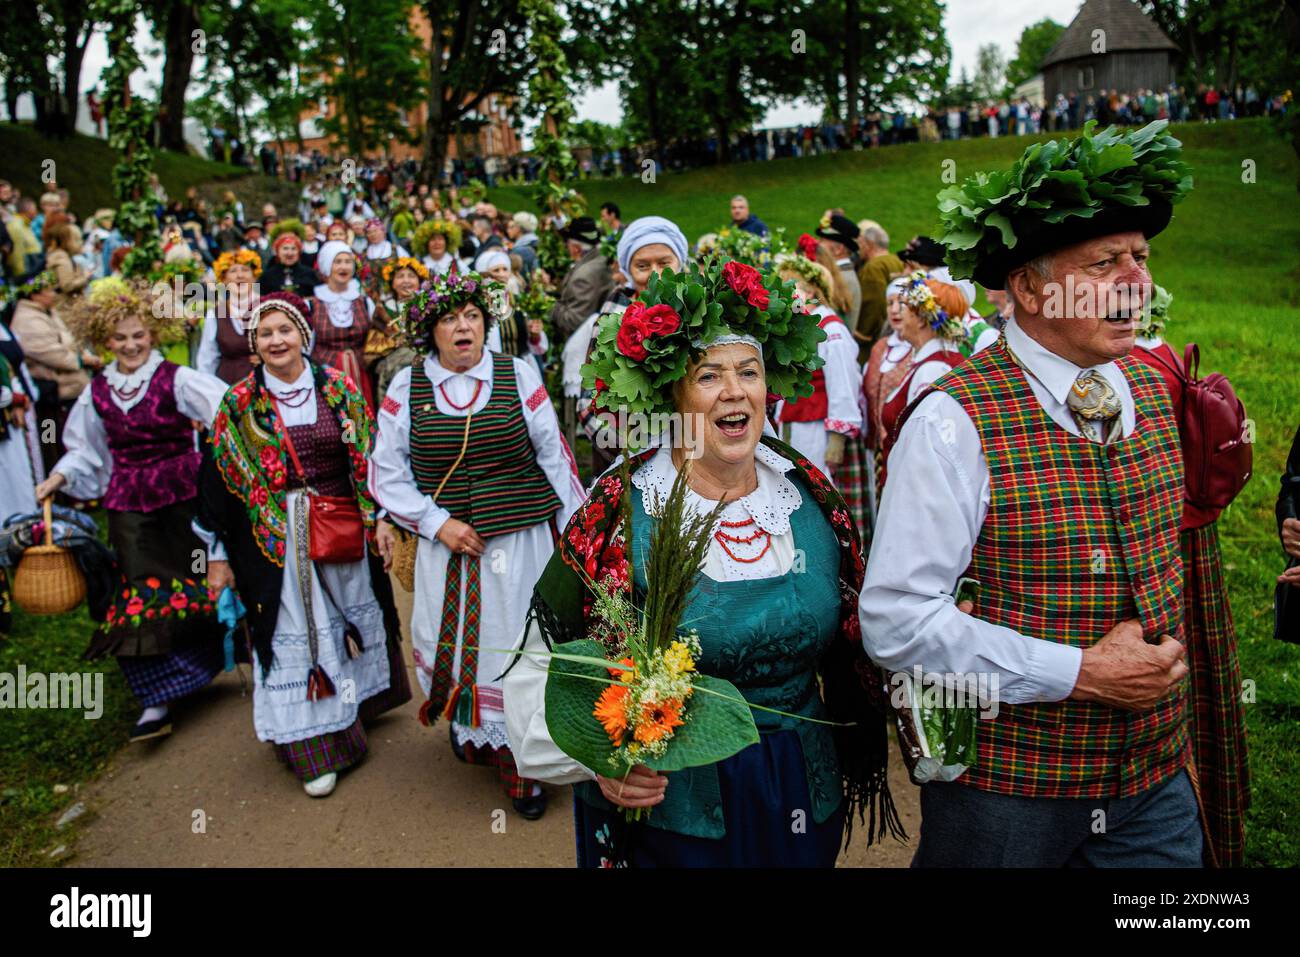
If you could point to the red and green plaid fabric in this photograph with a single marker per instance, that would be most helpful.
(323, 753)
(504, 761)
(445, 693)
(498, 487)
(851, 477)
(1218, 719)
(1078, 537)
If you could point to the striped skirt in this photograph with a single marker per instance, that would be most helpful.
(322, 753)
(1218, 719)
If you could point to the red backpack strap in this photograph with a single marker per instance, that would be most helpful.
(1192, 362)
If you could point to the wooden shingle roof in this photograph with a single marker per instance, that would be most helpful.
(1126, 28)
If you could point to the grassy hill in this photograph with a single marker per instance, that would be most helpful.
(1230, 260)
(83, 166)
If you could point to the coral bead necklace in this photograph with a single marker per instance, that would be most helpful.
(722, 538)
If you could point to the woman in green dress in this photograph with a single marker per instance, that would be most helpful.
(774, 607)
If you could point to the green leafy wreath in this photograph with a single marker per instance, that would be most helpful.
(1055, 180)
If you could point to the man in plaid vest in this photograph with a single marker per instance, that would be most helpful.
(1048, 468)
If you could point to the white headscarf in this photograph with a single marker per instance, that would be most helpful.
(328, 253)
(490, 260)
(647, 231)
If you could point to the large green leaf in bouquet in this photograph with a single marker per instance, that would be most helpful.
(718, 721)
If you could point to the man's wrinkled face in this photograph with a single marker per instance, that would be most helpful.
(1088, 309)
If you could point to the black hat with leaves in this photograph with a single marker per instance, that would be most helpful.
(1059, 193)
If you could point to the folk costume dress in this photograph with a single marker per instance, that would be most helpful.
(223, 344)
(929, 362)
(340, 322)
(372, 262)
(806, 423)
(887, 366)
(516, 484)
(1217, 715)
(326, 634)
(776, 616)
(131, 442)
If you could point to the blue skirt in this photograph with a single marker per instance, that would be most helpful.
(765, 807)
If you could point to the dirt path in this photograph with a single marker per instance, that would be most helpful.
(409, 804)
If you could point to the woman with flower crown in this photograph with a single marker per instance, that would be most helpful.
(930, 321)
(223, 345)
(387, 353)
(289, 438)
(436, 242)
(130, 441)
(774, 606)
(471, 459)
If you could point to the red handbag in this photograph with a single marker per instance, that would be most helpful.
(335, 532)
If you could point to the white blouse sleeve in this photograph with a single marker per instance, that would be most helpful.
(391, 480)
(842, 381)
(524, 691)
(208, 358)
(87, 464)
(198, 394)
(553, 454)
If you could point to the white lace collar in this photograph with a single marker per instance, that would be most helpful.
(770, 505)
(128, 389)
(328, 296)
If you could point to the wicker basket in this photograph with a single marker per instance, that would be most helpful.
(48, 581)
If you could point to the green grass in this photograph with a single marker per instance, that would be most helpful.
(1229, 258)
(82, 165)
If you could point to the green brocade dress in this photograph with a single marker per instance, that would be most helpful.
(778, 802)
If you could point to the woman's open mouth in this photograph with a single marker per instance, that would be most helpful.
(464, 343)
(733, 424)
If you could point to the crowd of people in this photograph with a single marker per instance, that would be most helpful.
(386, 390)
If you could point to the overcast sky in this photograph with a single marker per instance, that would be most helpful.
(969, 24)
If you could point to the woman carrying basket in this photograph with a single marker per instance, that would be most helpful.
(130, 441)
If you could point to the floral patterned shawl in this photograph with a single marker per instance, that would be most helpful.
(253, 461)
(594, 547)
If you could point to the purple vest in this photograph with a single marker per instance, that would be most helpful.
(155, 463)
(322, 453)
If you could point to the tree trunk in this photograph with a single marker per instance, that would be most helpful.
(73, 54)
(182, 20)
(435, 134)
(852, 57)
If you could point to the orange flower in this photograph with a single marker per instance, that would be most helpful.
(611, 712)
(624, 674)
(658, 720)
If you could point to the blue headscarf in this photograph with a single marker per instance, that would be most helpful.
(647, 231)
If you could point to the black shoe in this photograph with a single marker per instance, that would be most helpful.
(152, 729)
(456, 749)
(531, 808)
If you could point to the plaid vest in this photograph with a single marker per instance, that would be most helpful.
(495, 485)
(1078, 537)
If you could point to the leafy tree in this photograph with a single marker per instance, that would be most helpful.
(1035, 42)
(990, 72)
(476, 48)
(368, 56)
(174, 23)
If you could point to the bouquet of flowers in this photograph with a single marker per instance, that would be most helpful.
(746, 247)
(638, 697)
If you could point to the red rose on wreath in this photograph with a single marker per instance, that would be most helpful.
(757, 297)
(740, 277)
(662, 320)
(808, 246)
(632, 332)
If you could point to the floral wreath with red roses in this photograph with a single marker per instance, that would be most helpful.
(640, 352)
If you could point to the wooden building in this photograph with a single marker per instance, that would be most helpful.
(1109, 45)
